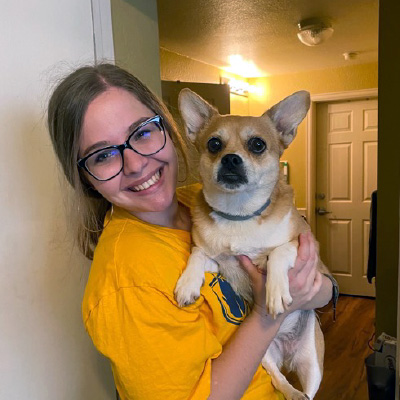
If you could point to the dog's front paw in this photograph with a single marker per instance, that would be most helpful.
(187, 290)
(278, 297)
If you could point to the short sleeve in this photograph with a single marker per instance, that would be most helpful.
(157, 350)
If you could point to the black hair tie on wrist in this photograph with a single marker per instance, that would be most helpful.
(335, 294)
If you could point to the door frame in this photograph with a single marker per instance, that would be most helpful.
(363, 94)
(103, 41)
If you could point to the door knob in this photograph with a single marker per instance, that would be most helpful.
(322, 211)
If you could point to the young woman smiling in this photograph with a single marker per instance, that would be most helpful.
(117, 145)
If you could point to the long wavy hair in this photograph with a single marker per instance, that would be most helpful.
(66, 111)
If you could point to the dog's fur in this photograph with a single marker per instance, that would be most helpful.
(237, 180)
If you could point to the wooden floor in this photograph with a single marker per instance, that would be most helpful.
(346, 347)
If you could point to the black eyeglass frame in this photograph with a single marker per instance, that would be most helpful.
(121, 147)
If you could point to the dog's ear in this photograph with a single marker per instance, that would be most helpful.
(288, 113)
(195, 111)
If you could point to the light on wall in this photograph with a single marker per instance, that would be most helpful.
(314, 31)
(239, 66)
(241, 88)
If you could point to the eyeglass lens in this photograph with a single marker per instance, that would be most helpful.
(108, 162)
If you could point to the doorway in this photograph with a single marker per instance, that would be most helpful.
(342, 135)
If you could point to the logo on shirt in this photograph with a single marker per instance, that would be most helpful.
(234, 308)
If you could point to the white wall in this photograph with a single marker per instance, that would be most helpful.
(44, 350)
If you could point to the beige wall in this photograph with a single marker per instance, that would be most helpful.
(277, 87)
(135, 31)
(239, 105)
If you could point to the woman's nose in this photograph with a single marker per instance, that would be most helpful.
(133, 162)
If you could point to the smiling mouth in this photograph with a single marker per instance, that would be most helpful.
(148, 184)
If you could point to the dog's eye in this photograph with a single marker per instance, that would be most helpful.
(256, 145)
(214, 145)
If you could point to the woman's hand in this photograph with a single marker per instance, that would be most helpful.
(304, 278)
(258, 279)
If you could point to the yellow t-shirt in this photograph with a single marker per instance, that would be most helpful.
(158, 350)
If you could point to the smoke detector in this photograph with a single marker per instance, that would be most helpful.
(350, 55)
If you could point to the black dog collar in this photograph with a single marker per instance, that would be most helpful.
(243, 217)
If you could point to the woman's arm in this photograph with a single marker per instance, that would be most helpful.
(233, 370)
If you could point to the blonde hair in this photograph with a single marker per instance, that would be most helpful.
(66, 111)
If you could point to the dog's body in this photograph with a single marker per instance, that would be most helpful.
(246, 208)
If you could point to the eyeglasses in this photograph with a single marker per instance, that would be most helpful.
(147, 139)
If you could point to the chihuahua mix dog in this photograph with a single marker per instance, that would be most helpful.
(247, 208)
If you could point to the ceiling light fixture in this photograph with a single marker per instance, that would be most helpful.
(241, 87)
(314, 31)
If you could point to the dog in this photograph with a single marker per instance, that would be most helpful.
(246, 207)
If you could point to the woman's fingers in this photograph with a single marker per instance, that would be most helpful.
(303, 274)
(247, 265)
(315, 288)
(302, 256)
(257, 280)
(257, 276)
(304, 248)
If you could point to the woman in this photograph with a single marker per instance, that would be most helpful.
(117, 146)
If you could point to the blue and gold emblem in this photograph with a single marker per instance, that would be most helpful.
(234, 308)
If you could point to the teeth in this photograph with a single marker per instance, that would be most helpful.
(145, 185)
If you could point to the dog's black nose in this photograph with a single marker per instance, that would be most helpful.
(231, 161)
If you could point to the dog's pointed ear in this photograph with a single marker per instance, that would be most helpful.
(288, 113)
(195, 112)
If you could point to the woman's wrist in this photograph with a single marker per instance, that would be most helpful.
(322, 297)
(265, 320)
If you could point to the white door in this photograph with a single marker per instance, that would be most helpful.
(346, 170)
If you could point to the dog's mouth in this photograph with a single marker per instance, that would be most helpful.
(231, 180)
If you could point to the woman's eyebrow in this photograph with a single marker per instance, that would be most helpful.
(95, 146)
(135, 124)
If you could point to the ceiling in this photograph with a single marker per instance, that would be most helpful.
(265, 32)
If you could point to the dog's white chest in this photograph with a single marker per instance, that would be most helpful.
(247, 237)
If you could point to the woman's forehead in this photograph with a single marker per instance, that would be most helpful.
(111, 115)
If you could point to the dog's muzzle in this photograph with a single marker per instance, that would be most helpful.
(231, 172)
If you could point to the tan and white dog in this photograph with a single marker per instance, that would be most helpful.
(246, 207)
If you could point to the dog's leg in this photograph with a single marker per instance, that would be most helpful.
(280, 260)
(272, 362)
(187, 289)
(308, 360)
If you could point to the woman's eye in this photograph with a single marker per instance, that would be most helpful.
(142, 134)
(105, 156)
(256, 145)
(214, 145)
